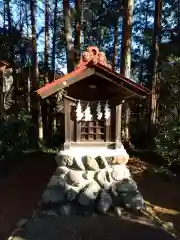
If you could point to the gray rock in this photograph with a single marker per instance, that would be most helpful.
(57, 181)
(120, 172)
(72, 192)
(64, 160)
(79, 163)
(133, 200)
(21, 223)
(109, 160)
(104, 179)
(118, 211)
(137, 202)
(125, 185)
(75, 178)
(120, 159)
(66, 210)
(49, 213)
(104, 203)
(88, 175)
(89, 194)
(53, 195)
(61, 170)
(102, 162)
(90, 163)
(169, 226)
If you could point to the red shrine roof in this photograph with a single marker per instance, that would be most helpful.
(92, 61)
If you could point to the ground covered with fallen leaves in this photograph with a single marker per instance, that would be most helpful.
(161, 193)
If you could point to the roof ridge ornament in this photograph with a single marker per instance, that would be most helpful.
(94, 55)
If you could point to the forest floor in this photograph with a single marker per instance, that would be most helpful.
(21, 191)
(162, 195)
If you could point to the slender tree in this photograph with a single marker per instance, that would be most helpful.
(125, 67)
(46, 42)
(35, 82)
(77, 41)
(54, 39)
(68, 36)
(115, 44)
(53, 61)
(11, 49)
(155, 61)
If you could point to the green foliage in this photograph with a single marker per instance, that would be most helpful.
(16, 135)
(167, 140)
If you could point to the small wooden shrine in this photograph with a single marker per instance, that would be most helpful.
(93, 99)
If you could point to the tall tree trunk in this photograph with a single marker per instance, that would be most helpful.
(46, 43)
(47, 106)
(26, 20)
(53, 61)
(26, 10)
(35, 82)
(125, 67)
(77, 41)
(11, 48)
(144, 48)
(155, 60)
(4, 15)
(68, 36)
(115, 44)
(54, 39)
(46, 116)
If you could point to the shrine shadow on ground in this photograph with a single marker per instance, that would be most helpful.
(79, 228)
(22, 187)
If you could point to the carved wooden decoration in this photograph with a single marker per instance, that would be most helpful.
(92, 54)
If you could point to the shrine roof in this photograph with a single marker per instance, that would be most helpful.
(93, 62)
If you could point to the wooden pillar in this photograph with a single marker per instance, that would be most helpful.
(78, 132)
(107, 130)
(118, 126)
(67, 123)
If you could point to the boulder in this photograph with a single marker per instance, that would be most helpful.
(72, 192)
(61, 170)
(104, 179)
(90, 163)
(88, 175)
(102, 162)
(118, 211)
(54, 195)
(64, 160)
(21, 223)
(78, 163)
(49, 213)
(120, 172)
(120, 159)
(89, 194)
(75, 178)
(57, 181)
(104, 203)
(133, 200)
(124, 186)
(66, 210)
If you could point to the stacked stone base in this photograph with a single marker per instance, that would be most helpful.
(90, 184)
